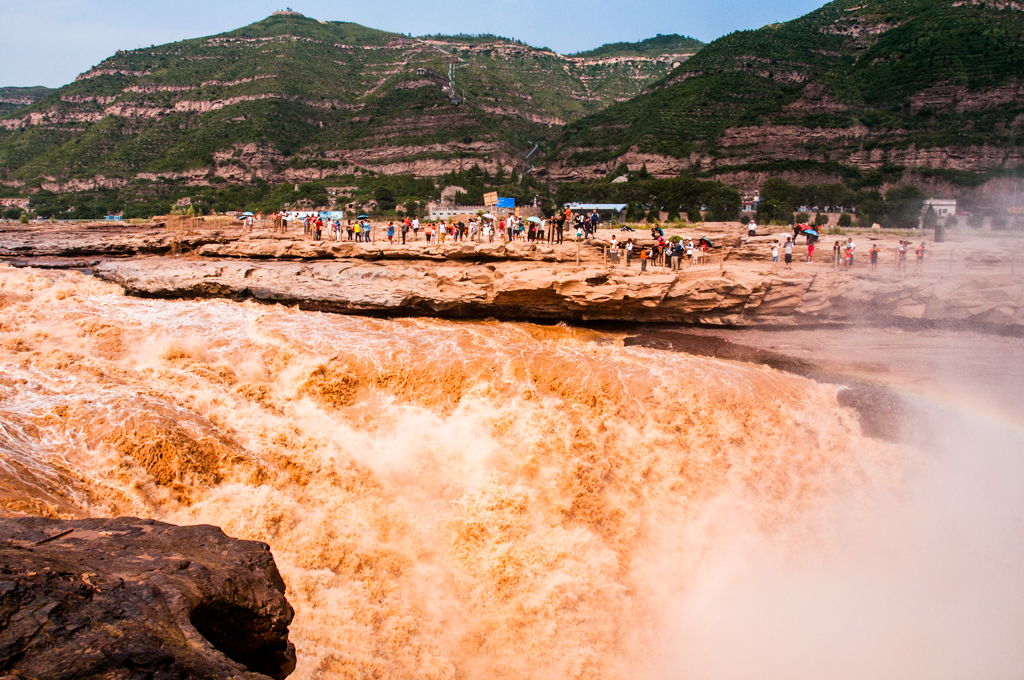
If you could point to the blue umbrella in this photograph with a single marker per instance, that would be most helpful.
(811, 232)
(364, 217)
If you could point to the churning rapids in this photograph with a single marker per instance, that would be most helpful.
(501, 500)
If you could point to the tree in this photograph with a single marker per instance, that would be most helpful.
(724, 205)
(693, 215)
(673, 213)
(870, 208)
(774, 211)
(845, 220)
(931, 219)
(778, 189)
(801, 218)
(820, 220)
(903, 206)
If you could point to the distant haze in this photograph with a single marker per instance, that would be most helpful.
(49, 42)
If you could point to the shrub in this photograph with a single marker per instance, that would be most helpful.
(903, 206)
(820, 220)
(23, 219)
(802, 218)
(745, 220)
(845, 220)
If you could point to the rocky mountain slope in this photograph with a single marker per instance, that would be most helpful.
(292, 99)
(851, 88)
(14, 98)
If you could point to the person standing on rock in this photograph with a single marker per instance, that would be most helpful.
(405, 229)
(415, 228)
(811, 240)
(775, 255)
(643, 259)
(391, 233)
(788, 252)
(629, 252)
(850, 246)
(560, 228)
(920, 255)
(874, 256)
(836, 250)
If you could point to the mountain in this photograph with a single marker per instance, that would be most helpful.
(660, 44)
(857, 91)
(290, 99)
(14, 98)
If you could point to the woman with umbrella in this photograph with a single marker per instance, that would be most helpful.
(812, 238)
(704, 245)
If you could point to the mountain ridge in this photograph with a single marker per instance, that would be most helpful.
(856, 84)
(289, 91)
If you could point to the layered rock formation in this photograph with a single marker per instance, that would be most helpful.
(733, 295)
(970, 282)
(132, 598)
(101, 240)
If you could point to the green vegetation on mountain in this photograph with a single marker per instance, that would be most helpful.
(660, 44)
(14, 98)
(292, 99)
(854, 82)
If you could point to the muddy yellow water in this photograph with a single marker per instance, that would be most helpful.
(444, 500)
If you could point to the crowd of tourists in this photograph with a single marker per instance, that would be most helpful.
(670, 253)
(477, 229)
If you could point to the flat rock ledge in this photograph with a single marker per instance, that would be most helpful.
(739, 296)
(133, 598)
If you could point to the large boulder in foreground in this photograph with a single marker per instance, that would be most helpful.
(132, 598)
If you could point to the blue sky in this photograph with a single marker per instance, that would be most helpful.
(49, 42)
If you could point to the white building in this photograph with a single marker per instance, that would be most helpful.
(943, 207)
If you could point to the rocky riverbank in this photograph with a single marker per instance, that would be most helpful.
(119, 598)
(970, 281)
(731, 295)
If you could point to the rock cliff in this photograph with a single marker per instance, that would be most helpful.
(132, 598)
(734, 295)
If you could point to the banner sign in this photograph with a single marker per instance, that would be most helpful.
(504, 202)
(491, 198)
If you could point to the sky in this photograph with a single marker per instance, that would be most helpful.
(49, 42)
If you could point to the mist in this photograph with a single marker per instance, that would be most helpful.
(917, 579)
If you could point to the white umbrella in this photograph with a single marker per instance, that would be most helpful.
(488, 216)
